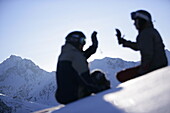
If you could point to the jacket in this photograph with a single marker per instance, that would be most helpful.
(151, 47)
(73, 75)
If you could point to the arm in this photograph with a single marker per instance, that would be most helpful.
(92, 49)
(80, 65)
(125, 43)
(132, 45)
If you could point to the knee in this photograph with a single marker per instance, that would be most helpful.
(120, 77)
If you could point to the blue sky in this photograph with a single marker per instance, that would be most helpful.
(36, 29)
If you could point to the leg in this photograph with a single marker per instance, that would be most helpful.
(127, 74)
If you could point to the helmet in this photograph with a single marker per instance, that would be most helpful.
(76, 38)
(100, 79)
(142, 14)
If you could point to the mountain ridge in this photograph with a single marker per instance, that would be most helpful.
(22, 79)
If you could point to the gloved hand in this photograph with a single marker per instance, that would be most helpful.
(120, 39)
(94, 38)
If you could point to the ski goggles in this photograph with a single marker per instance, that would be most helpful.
(135, 15)
(82, 41)
(77, 38)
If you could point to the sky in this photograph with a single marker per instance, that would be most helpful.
(36, 29)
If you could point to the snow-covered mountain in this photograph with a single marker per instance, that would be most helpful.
(23, 80)
(110, 66)
(24, 85)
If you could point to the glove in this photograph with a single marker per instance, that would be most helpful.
(94, 38)
(120, 39)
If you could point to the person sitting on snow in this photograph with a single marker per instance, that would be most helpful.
(73, 75)
(149, 43)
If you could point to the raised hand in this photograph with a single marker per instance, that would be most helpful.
(94, 38)
(119, 38)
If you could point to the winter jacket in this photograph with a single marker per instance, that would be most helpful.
(73, 75)
(151, 47)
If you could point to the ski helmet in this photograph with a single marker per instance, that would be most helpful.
(101, 80)
(76, 37)
(142, 14)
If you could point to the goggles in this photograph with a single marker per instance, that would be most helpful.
(82, 41)
(77, 38)
(135, 15)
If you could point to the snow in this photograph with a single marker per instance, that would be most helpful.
(110, 66)
(21, 79)
(24, 87)
(146, 94)
(16, 105)
(168, 55)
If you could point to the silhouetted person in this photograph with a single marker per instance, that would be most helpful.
(73, 76)
(148, 42)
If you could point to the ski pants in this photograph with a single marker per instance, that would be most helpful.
(128, 74)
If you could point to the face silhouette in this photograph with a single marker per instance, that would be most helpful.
(136, 23)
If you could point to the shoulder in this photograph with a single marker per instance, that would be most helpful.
(148, 31)
(69, 53)
(75, 55)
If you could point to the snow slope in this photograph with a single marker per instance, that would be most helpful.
(15, 105)
(168, 56)
(146, 94)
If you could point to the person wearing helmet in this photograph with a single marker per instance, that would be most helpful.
(148, 42)
(73, 75)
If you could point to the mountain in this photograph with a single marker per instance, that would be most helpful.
(23, 80)
(110, 66)
(26, 87)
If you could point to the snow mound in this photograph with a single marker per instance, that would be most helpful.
(145, 94)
